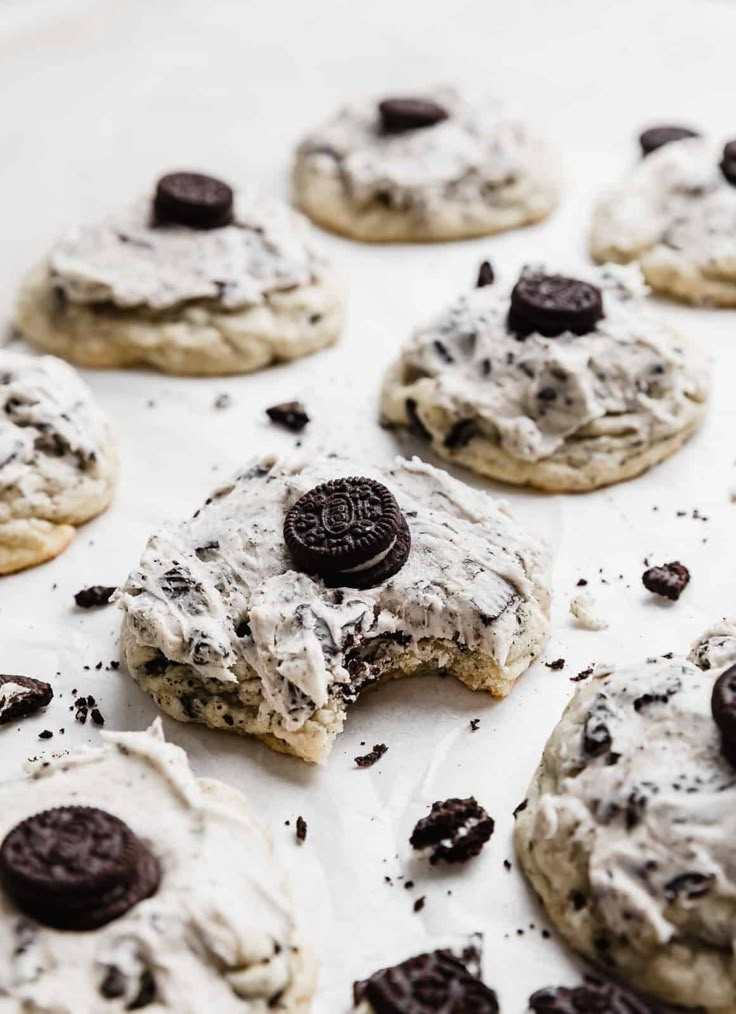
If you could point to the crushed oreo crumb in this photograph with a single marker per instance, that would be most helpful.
(370, 758)
(96, 595)
(222, 401)
(455, 830)
(301, 829)
(669, 580)
(291, 414)
(559, 663)
(474, 724)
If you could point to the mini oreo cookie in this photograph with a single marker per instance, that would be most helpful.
(401, 114)
(432, 983)
(76, 867)
(193, 199)
(552, 304)
(723, 708)
(728, 162)
(658, 137)
(349, 531)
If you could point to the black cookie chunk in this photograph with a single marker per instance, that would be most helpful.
(401, 114)
(485, 275)
(669, 580)
(193, 199)
(92, 598)
(433, 983)
(595, 996)
(658, 137)
(455, 830)
(728, 161)
(291, 414)
(723, 709)
(349, 531)
(553, 304)
(76, 867)
(21, 696)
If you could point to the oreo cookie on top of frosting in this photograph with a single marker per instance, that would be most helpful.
(563, 383)
(425, 166)
(627, 833)
(301, 582)
(127, 884)
(195, 278)
(674, 213)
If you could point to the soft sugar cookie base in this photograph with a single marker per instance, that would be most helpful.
(244, 710)
(38, 528)
(197, 339)
(323, 198)
(580, 465)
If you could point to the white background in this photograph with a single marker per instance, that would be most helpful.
(97, 100)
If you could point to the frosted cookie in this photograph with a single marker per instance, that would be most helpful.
(560, 383)
(126, 884)
(675, 213)
(197, 280)
(297, 585)
(627, 833)
(433, 167)
(58, 461)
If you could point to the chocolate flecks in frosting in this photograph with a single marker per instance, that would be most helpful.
(454, 831)
(627, 376)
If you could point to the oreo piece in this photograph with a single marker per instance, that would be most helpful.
(402, 114)
(21, 696)
(92, 598)
(485, 275)
(76, 867)
(594, 995)
(670, 580)
(193, 199)
(350, 532)
(432, 983)
(553, 304)
(728, 162)
(455, 830)
(658, 137)
(723, 709)
(290, 414)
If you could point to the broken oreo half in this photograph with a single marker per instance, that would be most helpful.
(432, 983)
(402, 114)
(550, 305)
(193, 199)
(21, 696)
(670, 580)
(658, 137)
(351, 532)
(76, 867)
(455, 830)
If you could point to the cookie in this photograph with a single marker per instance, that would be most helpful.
(674, 213)
(454, 831)
(126, 882)
(627, 829)
(565, 384)
(58, 459)
(597, 995)
(424, 167)
(301, 583)
(195, 280)
(434, 983)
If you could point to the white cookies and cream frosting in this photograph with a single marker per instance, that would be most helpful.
(220, 594)
(52, 434)
(628, 830)
(219, 926)
(130, 262)
(630, 376)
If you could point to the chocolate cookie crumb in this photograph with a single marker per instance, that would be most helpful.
(455, 830)
(301, 829)
(474, 724)
(46, 734)
(595, 994)
(485, 275)
(559, 663)
(21, 696)
(370, 758)
(290, 414)
(419, 903)
(91, 598)
(222, 401)
(669, 580)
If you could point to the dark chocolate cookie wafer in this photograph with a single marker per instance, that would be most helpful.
(552, 304)
(723, 707)
(436, 982)
(400, 114)
(728, 161)
(193, 199)
(21, 696)
(349, 531)
(76, 867)
(455, 830)
(595, 995)
(657, 137)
